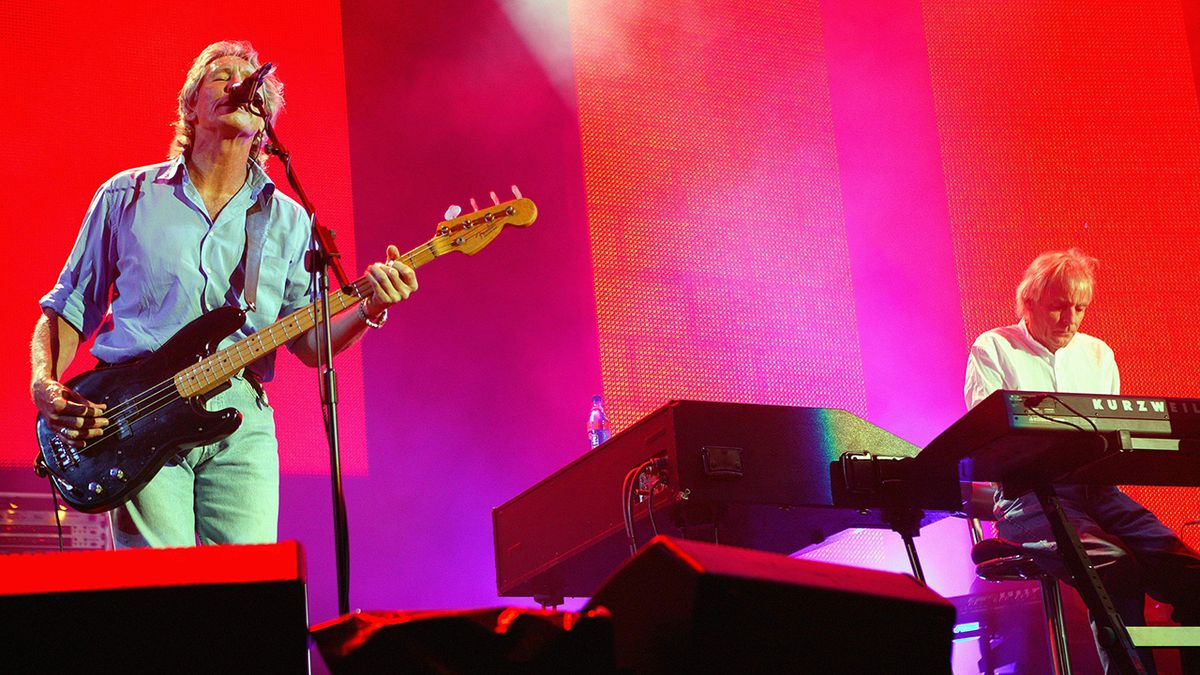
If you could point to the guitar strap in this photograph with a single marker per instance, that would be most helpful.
(256, 232)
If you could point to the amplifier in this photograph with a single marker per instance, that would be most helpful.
(27, 525)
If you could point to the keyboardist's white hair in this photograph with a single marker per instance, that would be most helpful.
(1073, 268)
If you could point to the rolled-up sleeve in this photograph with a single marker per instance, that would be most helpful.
(81, 296)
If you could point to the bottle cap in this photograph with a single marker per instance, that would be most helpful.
(597, 400)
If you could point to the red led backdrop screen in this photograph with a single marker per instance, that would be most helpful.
(1076, 124)
(97, 94)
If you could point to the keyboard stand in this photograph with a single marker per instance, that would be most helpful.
(1111, 631)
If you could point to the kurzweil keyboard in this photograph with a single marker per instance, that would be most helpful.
(1024, 437)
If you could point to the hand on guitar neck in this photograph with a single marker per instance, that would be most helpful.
(389, 282)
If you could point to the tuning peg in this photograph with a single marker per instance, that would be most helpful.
(452, 212)
(495, 199)
(474, 206)
(516, 192)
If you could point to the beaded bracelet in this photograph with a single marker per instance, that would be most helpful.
(362, 314)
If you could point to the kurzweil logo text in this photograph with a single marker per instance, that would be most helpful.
(1130, 405)
(1184, 406)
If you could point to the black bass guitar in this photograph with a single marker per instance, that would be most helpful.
(156, 405)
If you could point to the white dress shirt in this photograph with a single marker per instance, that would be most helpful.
(1009, 358)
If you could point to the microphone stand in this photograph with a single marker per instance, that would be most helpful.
(322, 255)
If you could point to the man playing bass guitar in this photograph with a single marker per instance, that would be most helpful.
(162, 245)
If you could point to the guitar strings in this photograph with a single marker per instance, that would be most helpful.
(428, 251)
(360, 286)
(166, 390)
(137, 399)
(164, 393)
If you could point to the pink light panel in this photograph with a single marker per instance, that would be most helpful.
(718, 243)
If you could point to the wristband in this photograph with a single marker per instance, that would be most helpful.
(362, 314)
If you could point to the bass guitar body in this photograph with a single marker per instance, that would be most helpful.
(148, 421)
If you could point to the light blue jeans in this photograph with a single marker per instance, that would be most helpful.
(223, 493)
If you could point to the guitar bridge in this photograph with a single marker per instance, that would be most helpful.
(66, 456)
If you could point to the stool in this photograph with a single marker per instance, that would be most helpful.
(998, 560)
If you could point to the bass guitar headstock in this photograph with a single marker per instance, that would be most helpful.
(470, 232)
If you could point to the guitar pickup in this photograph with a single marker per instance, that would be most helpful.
(123, 428)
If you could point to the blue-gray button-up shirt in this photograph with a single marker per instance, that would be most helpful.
(149, 259)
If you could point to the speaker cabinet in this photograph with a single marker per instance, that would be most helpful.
(210, 609)
(681, 606)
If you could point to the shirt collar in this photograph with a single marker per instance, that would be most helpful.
(173, 171)
(1039, 348)
(261, 185)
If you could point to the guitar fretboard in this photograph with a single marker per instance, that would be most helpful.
(468, 234)
(214, 370)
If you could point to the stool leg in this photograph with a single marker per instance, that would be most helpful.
(1056, 629)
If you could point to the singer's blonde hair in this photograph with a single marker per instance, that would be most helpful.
(185, 131)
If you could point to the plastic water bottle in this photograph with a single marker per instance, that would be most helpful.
(598, 430)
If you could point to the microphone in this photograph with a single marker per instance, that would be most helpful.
(246, 91)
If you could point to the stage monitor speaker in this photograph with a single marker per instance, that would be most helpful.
(209, 609)
(682, 606)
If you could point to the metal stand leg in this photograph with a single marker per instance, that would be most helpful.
(906, 522)
(914, 562)
(1113, 636)
(1056, 626)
